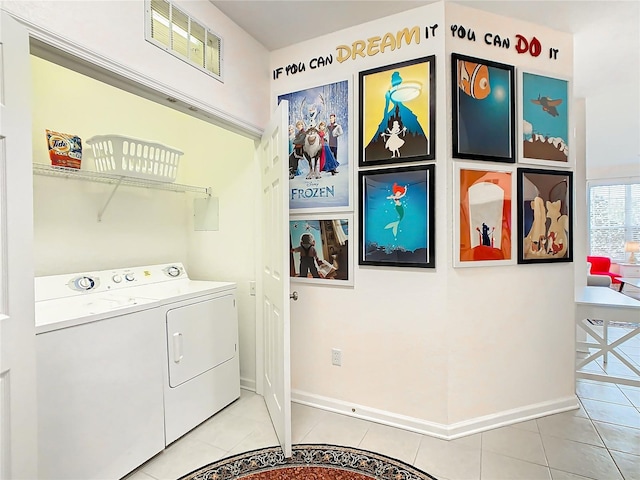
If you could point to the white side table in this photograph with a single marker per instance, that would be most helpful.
(629, 270)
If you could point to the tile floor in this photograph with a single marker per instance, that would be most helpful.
(600, 440)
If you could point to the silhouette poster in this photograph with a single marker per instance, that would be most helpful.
(545, 119)
(484, 227)
(545, 216)
(397, 113)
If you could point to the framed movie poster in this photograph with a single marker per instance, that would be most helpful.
(320, 250)
(483, 110)
(320, 174)
(484, 228)
(397, 113)
(545, 216)
(397, 224)
(544, 120)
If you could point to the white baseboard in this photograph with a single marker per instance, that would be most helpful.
(443, 431)
(248, 384)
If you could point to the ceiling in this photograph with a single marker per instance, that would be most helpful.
(263, 19)
(606, 30)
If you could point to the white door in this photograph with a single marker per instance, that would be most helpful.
(18, 427)
(274, 171)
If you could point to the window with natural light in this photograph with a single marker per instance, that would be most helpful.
(614, 219)
(176, 32)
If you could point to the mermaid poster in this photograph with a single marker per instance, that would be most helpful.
(397, 217)
(397, 113)
(483, 110)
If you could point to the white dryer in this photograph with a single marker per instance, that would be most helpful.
(202, 373)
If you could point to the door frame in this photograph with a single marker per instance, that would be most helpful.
(18, 404)
(51, 47)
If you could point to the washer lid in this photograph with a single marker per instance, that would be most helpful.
(66, 312)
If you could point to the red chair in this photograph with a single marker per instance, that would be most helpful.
(601, 266)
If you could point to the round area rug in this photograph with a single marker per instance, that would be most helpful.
(309, 462)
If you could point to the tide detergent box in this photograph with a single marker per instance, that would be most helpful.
(64, 150)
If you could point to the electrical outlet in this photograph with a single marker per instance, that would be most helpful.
(336, 357)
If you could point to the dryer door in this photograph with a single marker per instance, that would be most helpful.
(200, 336)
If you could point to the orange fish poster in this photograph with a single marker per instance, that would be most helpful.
(483, 94)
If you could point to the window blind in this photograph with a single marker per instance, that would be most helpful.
(184, 37)
(614, 218)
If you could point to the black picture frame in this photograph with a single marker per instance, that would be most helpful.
(396, 104)
(483, 99)
(397, 216)
(545, 215)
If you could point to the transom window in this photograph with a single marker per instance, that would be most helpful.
(176, 32)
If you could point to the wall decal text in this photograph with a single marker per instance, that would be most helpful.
(496, 41)
(374, 45)
(361, 48)
(294, 68)
(391, 41)
(532, 46)
(433, 30)
(461, 32)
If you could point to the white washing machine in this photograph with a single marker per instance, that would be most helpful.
(100, 388)
(202, 370)
(128, 361)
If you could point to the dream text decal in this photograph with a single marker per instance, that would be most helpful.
(392, 41)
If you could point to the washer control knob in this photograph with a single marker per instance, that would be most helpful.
(129, 277)
(116, 278)
(173, 271)
(85, 283)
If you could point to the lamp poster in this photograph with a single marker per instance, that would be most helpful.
(319, 170)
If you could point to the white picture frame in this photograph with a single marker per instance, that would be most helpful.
(331, 191)
(332, 236)
(484, 215)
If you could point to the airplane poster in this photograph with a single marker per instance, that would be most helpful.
(544, 137)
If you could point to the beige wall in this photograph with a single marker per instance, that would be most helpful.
(142, 226)
(112, 31)
(445, 351)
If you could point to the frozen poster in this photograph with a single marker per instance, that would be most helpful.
(319, 170)
(545, 119)
(397, 217)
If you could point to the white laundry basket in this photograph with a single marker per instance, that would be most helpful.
(133, 157)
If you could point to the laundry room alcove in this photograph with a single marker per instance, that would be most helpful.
(86, 220)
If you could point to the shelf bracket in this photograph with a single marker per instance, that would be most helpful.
(113, 192)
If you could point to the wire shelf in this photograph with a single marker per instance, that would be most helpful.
(100, 177)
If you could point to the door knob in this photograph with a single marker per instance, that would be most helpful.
(294, 296)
